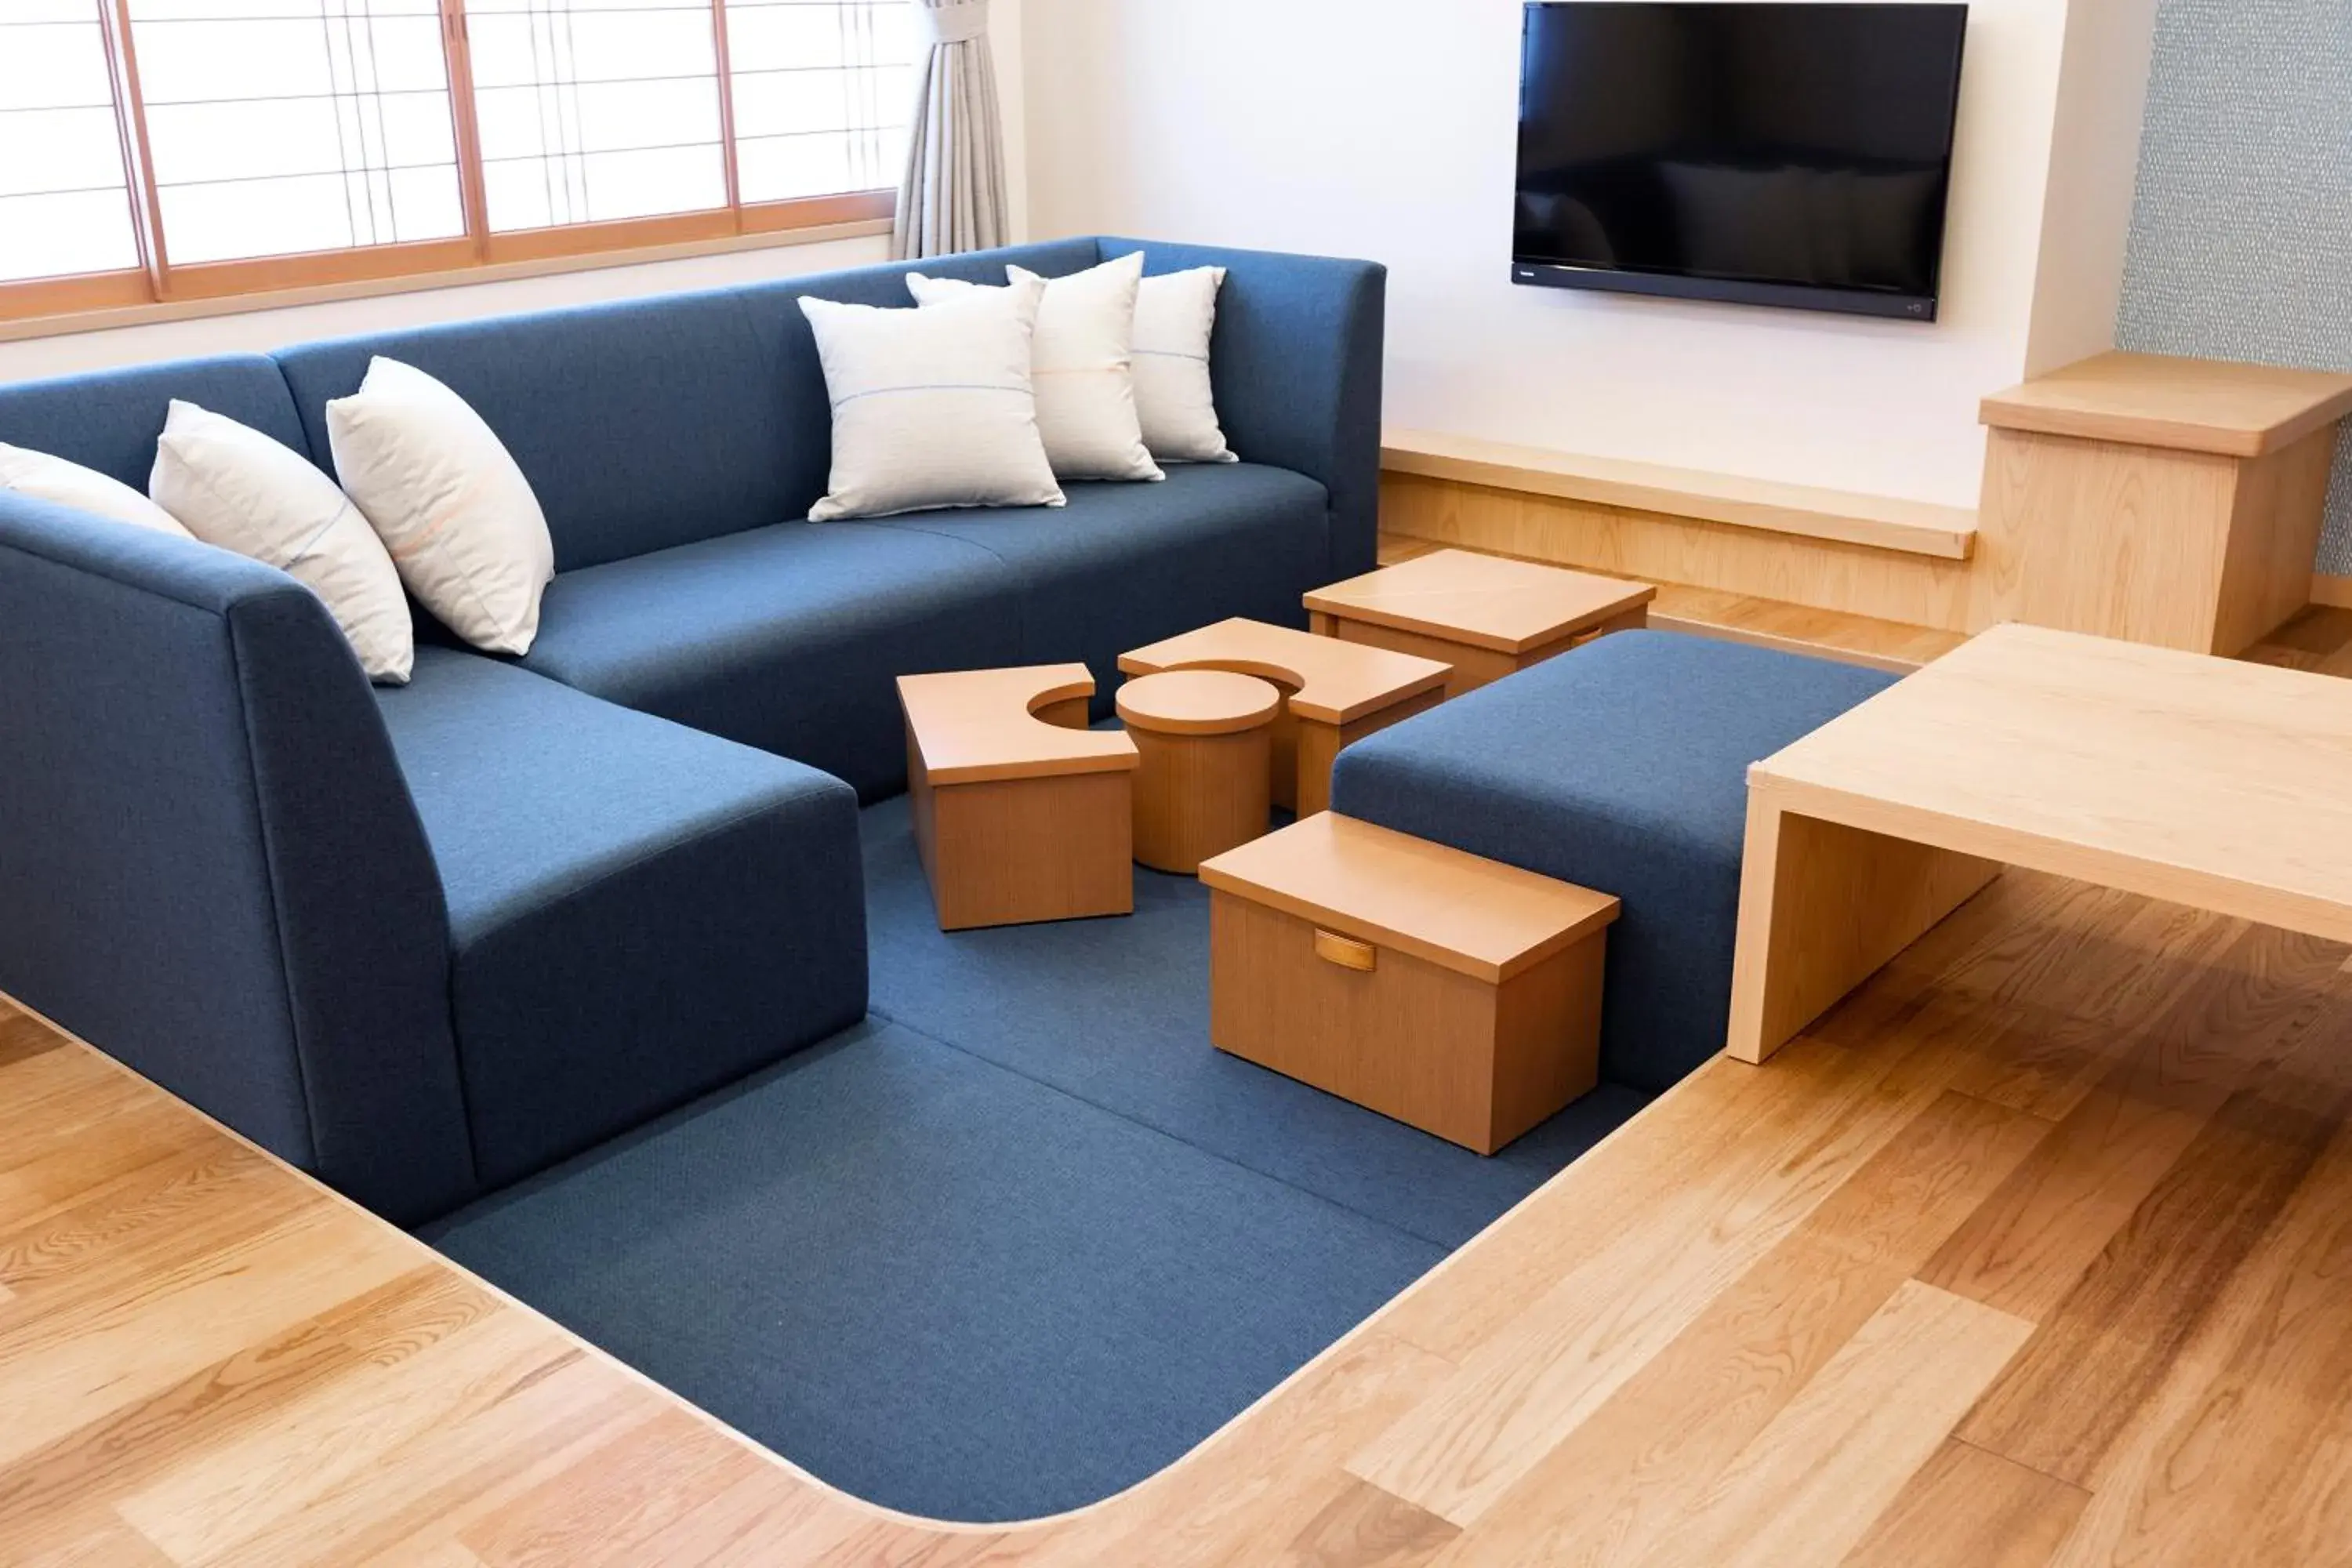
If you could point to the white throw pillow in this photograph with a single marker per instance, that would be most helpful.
(1081, 364)
(44, 478)
(1175, 315)
(447, 498)
(238, 489)
(931, 408)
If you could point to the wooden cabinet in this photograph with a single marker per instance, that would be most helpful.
(2170, 502)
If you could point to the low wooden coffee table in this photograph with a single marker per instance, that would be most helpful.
(1485, 615)
(1020, 812)
(2178, 776)
(1333, 693)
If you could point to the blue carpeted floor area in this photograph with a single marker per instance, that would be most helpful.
(1019, 1240)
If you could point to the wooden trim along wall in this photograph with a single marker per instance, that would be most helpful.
(102, 319)
(1662, 546)
(1808, 512)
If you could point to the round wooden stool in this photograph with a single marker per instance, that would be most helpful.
(1201, 786)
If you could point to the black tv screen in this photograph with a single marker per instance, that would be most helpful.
(1774, 154)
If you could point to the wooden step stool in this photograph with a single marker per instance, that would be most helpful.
(1456, 994)
(1020, 812)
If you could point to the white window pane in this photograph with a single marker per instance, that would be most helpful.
(49, 237)
(60, 150)
(578, 45)
(426, 204)
(591, 111)
(522, 193)
(206, 142)
(596, 187)
(489, 7)
(822, 94)
(785, 103)
(524, 121)
(621, 116)
(256, 218)
(781, 168)
(23, 11)
(46, 67)
(280, 126)
(202, 62)
(63, 202)
(787, 37)
(213, 10)
(640, 184)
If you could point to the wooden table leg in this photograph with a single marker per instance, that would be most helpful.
(1822, 906)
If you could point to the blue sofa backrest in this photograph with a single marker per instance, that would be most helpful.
(109, 420)
(648, 423)
(209, 861)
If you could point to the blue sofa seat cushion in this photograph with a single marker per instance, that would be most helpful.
(1621, 767)
(1126, 565)
(637, 913)
(787, 637)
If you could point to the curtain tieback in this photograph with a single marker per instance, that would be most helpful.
(955, 21)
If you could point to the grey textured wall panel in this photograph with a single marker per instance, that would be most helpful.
(2242, 229)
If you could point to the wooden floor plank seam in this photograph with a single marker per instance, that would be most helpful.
(1821, 1313)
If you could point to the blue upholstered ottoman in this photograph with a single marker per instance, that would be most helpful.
(1622, 766)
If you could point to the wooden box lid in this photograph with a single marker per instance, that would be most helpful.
(1486, 601)
(1330, 681)
(1474, 916)
(980, 726)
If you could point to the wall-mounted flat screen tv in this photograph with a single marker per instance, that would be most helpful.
(1772, 154)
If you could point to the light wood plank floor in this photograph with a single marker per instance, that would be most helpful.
(2038, 1250)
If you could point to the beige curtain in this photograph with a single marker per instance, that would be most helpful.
(952, 197)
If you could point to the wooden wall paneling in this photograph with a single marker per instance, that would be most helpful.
(1771, 506)
(1920, 590)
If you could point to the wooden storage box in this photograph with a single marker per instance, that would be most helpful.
(1450, 991)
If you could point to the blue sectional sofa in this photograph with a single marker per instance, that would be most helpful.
(425, 941)
(1620, 765)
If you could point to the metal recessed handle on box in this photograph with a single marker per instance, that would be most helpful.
(1346, 952)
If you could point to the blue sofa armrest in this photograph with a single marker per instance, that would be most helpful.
(215, 871)
(1296, 364)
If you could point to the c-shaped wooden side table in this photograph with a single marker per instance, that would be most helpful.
(1020, 812)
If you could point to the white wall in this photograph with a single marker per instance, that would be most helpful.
(1386, 129)
(2093, 163)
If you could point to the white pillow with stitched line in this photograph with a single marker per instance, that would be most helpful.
(1082, 363)
(932, 407)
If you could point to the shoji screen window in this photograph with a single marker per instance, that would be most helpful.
(65, 198)
(596, 111)
(285, 126)
(822, 93)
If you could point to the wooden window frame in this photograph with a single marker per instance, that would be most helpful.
(158, 286)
